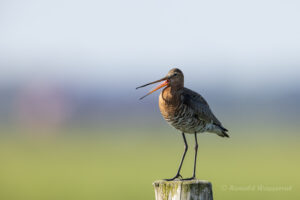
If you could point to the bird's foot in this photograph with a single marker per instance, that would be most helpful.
(175, 177)
(188, 179)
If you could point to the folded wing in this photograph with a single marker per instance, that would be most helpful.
(202, 109)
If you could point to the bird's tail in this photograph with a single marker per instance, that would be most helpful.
(220, 130)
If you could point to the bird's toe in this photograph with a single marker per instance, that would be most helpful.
(178, 176)
(188, 179)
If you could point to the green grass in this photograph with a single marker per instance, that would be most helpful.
(125, 167)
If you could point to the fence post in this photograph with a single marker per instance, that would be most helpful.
(183, 190)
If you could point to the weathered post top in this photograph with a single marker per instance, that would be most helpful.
(183, 190)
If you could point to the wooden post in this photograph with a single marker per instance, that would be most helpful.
(183, 190)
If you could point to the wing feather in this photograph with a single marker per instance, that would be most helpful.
(200, 106)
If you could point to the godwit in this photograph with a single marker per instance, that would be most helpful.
(185, 110)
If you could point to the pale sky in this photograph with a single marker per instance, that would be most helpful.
(234, 41)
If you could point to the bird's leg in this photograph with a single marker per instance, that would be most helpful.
(195, 159)
(185, 150)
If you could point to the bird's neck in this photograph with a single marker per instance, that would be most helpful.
(171, 95)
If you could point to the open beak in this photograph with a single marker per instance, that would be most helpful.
(165, 83)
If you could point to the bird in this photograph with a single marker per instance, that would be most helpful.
(185, 110)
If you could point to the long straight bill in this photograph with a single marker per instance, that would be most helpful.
(152, 83)
(165, 83)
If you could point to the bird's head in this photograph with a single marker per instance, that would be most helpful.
(173, 79)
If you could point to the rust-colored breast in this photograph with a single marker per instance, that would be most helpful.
(168, 103)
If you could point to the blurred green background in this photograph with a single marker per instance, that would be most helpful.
(249, 165)
(71, 124)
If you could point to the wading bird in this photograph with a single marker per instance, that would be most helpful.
(185, 110)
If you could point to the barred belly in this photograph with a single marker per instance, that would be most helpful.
(185, 120)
